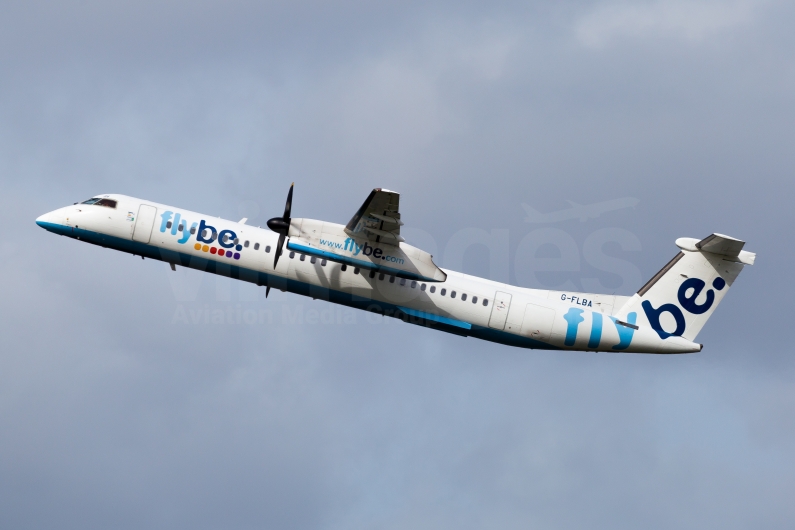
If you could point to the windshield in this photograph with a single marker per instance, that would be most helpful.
(110, 203)
(99, 201)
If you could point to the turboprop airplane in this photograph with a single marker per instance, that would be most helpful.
(366, 264)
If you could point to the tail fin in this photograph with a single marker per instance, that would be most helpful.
(679, 299)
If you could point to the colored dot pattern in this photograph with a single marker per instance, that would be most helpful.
(219, 251)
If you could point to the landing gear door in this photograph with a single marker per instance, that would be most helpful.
(499, 310)
(144, 223)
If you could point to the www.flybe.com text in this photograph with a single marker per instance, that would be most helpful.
(351, 246)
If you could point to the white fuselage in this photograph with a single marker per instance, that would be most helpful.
(461, 304)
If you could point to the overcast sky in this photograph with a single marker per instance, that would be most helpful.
(121, 408)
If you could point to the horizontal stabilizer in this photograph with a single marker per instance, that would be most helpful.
(719, 244)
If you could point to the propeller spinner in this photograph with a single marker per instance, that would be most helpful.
(281, 225)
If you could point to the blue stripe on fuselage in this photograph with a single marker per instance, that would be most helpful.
(436, 318)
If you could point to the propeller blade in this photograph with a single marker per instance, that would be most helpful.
(278, 252)
(288, 206)
(281, 225)
(267, 291)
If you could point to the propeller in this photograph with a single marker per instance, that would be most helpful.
(281, 225)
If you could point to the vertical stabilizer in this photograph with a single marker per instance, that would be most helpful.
(678, 300)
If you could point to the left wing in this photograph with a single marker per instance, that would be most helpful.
(378, 219)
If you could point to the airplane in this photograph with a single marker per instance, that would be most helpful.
(367, 264)
(578, 211)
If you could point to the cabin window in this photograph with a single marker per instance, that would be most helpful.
(256, 246)
(344, 267)
(474, 299)
(322, 263)
(372, 274)
(464, 297)
(206, 234)
(313, 260)
(485, 302)
(381, 276)
(292, 255)
(413, 285)
(443, 292)
(237, 241)
(180, 227)
(226, 238)
(356, 270)
(392, 278)
(433, 288)
(168, 224)
(268, 249)
(245, 244)
(192, 229)
(403, 281)
(452, 294)
(422, 287)
(303, 257)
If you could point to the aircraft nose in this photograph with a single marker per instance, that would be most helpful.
(43, 220)
(50, 220)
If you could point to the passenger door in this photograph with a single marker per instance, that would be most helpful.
(499, 310)
(144, 223)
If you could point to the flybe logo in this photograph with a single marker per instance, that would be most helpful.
(688, 292)
(208, 239)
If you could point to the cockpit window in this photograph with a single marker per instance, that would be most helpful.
(108, 203)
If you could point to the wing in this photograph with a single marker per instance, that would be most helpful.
(378, 219)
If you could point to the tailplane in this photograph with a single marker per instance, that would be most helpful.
(679, 299)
